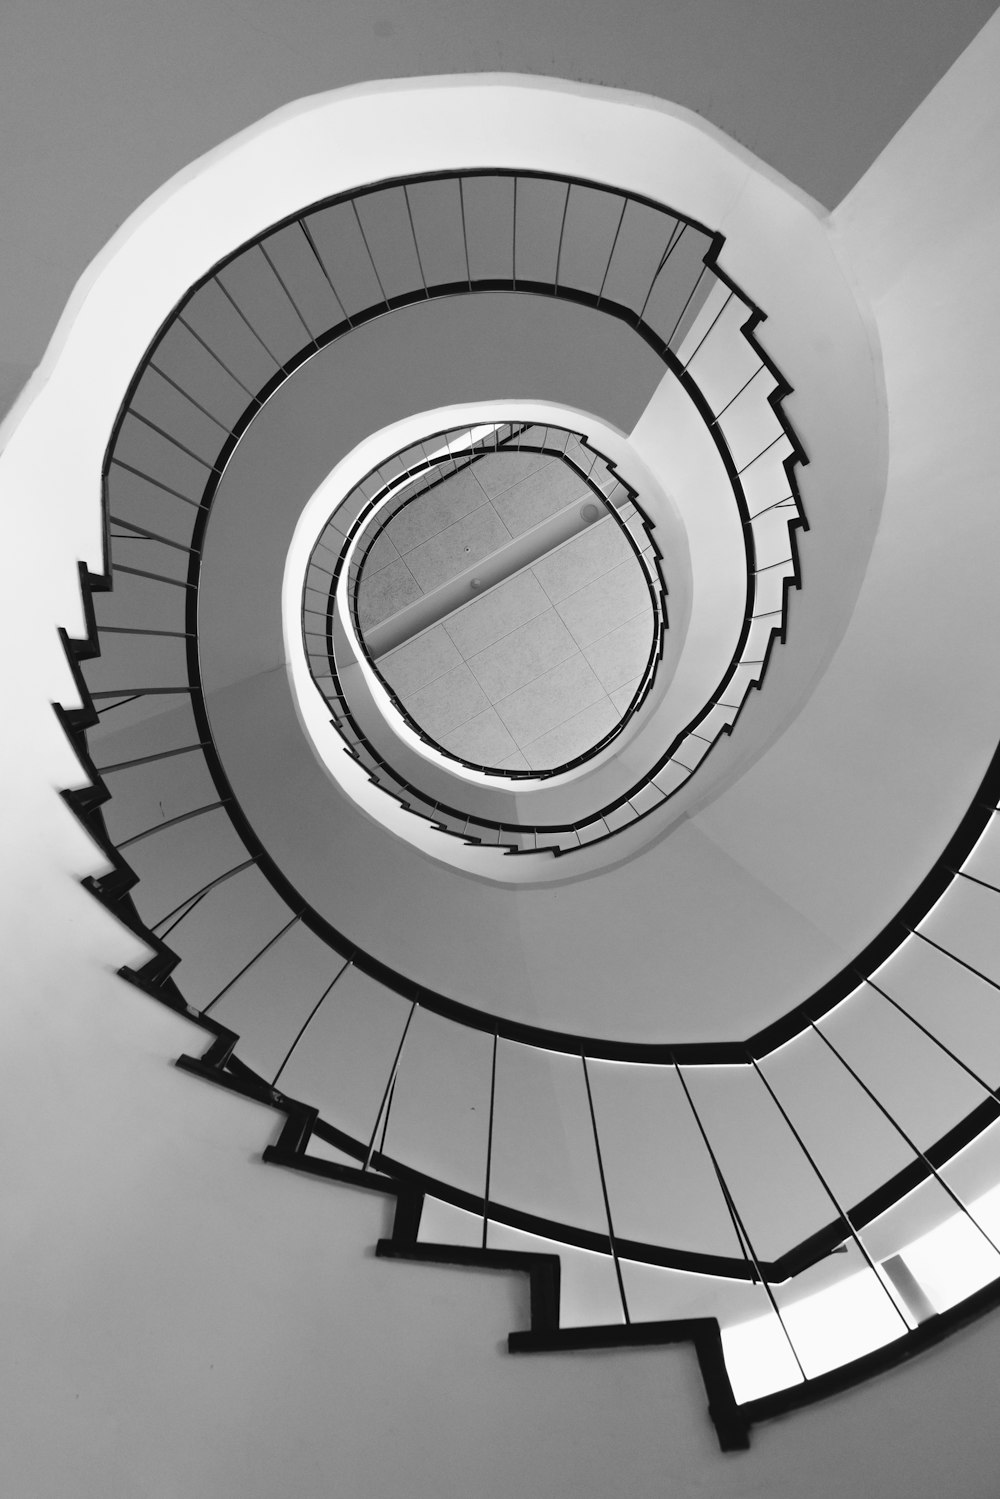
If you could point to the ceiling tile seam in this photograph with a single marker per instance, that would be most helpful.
(506, 698)
(435, 535)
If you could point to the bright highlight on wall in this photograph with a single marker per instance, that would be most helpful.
(853, 1317)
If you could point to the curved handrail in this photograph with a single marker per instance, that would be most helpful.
(157, 976)
(464, 823)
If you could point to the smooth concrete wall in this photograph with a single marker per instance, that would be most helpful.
(180, 1320)
(779, 251)
(920, 235)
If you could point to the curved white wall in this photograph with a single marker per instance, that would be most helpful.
(686, 890)
(159, 1311)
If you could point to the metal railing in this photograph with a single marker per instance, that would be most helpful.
(382, 498)
(758, 1212)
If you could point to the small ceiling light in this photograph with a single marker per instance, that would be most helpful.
(589, 512)
(476, 584)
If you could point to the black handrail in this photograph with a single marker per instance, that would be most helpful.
(338, 699)
(156, 976)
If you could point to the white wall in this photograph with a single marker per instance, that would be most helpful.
(102, 100)
(779, 250)
(182, 1321)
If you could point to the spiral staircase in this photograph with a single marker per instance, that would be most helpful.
(778, 1148)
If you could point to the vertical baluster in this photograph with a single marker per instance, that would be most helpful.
(368, 247)
(604, 1192)
(465, 233)
(390, 1083)
(169, 822)
(416, 247)
(308, 1020)
(294, 305)
(255, 959)
(513, 243)
(931, 1037)
(562, 231)
(841, 1213)
(742, 1236)
(672, 243)
(187, 905)
(242, 315)
(319, 261)
(708, 330)
(690, 298)
(903, 1134)
(489, 1138)
(954, 957)
(385, 1117)
(611, 255)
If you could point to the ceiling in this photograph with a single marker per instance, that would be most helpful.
(543, 664)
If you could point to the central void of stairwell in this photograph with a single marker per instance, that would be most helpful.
(561, 1048)
(503, 606)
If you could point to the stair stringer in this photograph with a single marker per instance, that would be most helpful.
(544, 1333)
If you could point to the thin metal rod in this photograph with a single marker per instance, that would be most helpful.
(124, 536)
(320, 262)
(368, 247)
(753, 460)
(168, 437)
(152, 364)
(719, 414)
(255, 959)
(465, 233)
(218, 358)
(157, 483)
(141, 692)
(305, 1024)
(690, 298)
(171, 822)
(416, 247)
(743, 1238)
(137, 630)
(185, 749)
(932, 1037)
(513, 242)
(829, 1191)
(197, 894)
(562, 231)
(954, 957)
(281, 282)
(385, 1117)
(708, 330)
(489, 1139)
(974, 879)
(110, 707)
(788, 500)
(604, 1193)
(242, 315)
(194, 902)
(611, 256)
(676, 235)
(902, 1132)
(146, 535)
(388, 1086)
(138, 572)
